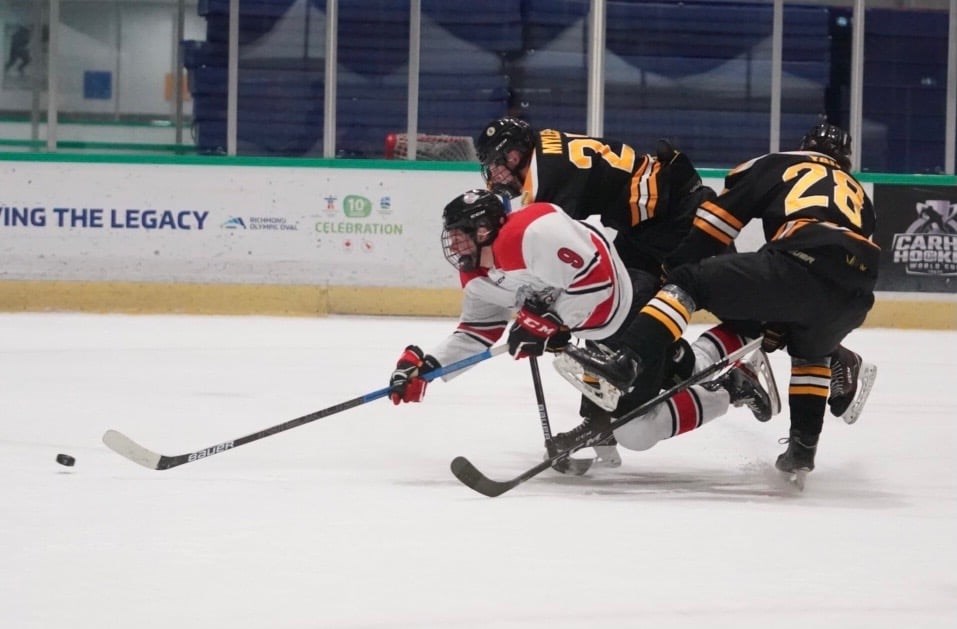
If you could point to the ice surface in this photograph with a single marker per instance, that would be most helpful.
(354, 521)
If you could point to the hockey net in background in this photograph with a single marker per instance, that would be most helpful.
(440, 148)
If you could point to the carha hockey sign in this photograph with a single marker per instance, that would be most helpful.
(917, 233)
(927, 246)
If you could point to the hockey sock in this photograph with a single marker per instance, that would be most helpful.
(807, 394)
(659, 324)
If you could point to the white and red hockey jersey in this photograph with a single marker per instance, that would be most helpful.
(542, 253)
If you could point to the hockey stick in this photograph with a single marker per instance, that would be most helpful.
(576, 467)
(470, 476)
(124, 446)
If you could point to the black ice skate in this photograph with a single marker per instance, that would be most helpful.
(751, 383)
(576, 438)
(598, 390)
(851, 383)
(606, 453)
(798, 459)
(617, 368)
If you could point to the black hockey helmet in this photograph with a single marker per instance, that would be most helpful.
(501, 136)
(830, 140)
(469, 222)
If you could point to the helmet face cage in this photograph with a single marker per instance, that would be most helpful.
(460, 248)
(511, 186)
(831, 140)
(471, 221)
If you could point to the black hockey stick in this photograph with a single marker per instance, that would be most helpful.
(576, 467)
(473, 478)
(124, 446)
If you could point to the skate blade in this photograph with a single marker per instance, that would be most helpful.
(865, 383)
(762, 368)
(798, 478)
(605, 395)
(607, 457)
(570, 466)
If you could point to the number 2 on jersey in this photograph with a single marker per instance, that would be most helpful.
(577, 156)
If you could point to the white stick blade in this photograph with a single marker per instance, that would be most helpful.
(126, 447)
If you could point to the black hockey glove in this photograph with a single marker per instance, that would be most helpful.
(662, 276)
(535, 332)
(406, 383)
(775, 337)
(665, 152)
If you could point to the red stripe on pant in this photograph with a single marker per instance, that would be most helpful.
(727, 340)
(684, 412)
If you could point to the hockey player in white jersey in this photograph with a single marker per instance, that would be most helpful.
(561, 278)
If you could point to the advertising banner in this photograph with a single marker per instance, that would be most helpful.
(210, 224)
(346, 226)
(917, 233)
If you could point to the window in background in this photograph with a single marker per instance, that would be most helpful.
(280, 80)
(698, 73)
(549, 75)
(373, 82)
(905, 84)
(115, 67)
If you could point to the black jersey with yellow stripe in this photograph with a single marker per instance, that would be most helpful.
(635, 194)
(807, 205)
(588, 176)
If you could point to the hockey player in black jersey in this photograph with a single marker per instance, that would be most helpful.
(650, 201)
(814, 279)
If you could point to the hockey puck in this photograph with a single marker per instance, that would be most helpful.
(65, 459)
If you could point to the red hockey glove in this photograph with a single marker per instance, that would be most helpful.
(533, 333)
(406, 383)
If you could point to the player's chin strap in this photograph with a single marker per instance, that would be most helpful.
(504, 193)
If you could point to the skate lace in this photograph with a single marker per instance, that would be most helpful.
(787, 440)
(580, 430)
(839, 379)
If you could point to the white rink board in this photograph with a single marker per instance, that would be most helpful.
(232, 224)
(226, 224)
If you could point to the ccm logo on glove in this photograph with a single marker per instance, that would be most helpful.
(545, 325)
(533, 333)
